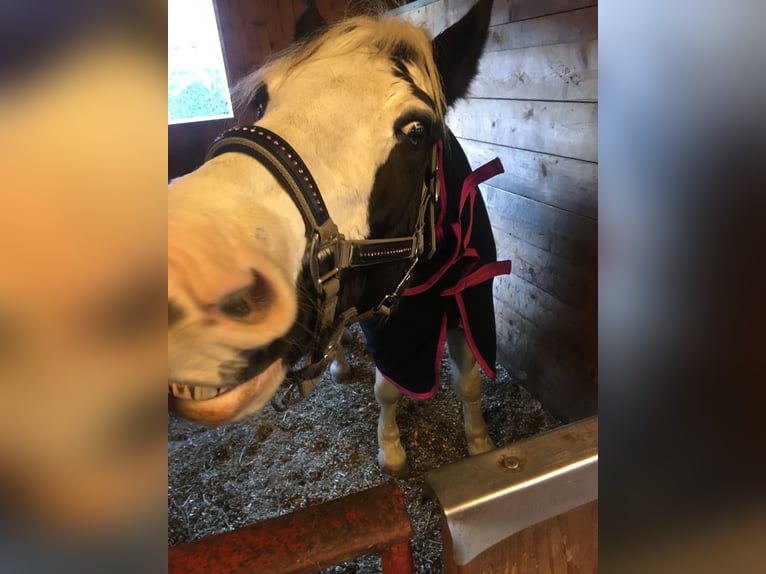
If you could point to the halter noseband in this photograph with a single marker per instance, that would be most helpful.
(328, 252)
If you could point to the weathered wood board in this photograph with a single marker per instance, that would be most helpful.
(435, 15)
(562, 72)
(561, 233)
(569, 283)
(567, 129)
(566, 27)
(570, 185)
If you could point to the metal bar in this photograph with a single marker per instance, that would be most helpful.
(397, 559)
(488, 498)
(306, 540)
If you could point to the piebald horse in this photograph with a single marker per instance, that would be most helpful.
(347, 199)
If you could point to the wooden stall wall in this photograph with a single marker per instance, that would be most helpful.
(534, 105)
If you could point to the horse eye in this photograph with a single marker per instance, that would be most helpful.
(259, 111)
(260, 101)
(415, 131)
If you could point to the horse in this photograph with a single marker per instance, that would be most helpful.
(347, 199)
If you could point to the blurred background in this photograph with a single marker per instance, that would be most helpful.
(681, 285)
(83, 155)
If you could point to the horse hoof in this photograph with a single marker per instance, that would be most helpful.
(307, 386)
(340, 371)
(397, 468)
(396, 472)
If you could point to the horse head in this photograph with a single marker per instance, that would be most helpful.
(274, 243)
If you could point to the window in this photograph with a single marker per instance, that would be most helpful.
(197, 85)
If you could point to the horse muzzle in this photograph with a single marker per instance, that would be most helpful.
(211, 405)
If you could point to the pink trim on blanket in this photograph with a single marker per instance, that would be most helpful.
(482, 274)
(437, 368)
(423, 287)
(469, 338)
(468, 191)
(442, 192)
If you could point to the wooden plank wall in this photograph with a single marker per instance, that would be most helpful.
(534, 105)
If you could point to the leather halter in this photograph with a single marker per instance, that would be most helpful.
(328, 252)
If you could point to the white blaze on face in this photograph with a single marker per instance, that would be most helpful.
(336, 104)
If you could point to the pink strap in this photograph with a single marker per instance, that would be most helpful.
(468, 192)
(482, 274)
(481, 174)
(490, 371)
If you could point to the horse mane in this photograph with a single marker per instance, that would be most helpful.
(398, 40)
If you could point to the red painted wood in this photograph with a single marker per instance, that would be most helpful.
(397, 559)
(307, 540)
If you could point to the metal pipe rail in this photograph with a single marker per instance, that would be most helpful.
(307, 540)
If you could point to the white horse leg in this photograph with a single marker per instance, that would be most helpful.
(465, 375)
(391, 456)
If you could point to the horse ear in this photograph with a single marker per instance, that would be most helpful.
(458, 48)
(309, 21)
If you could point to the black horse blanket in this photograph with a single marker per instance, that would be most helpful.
(452, 288)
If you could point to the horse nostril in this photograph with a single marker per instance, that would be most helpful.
(252, 299)
(175, 313)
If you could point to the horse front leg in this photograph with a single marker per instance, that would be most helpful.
(391, 456)
(467, 380)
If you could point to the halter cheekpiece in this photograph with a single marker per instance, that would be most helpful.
(328, 252)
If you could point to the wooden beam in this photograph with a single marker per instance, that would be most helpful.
(573, 326)
(562, 72)
(561, 233)
(575, 26)
(569, 184)
(573, 285)
(524, 9)
(437, 15)
(563, 380)
(567, 129)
